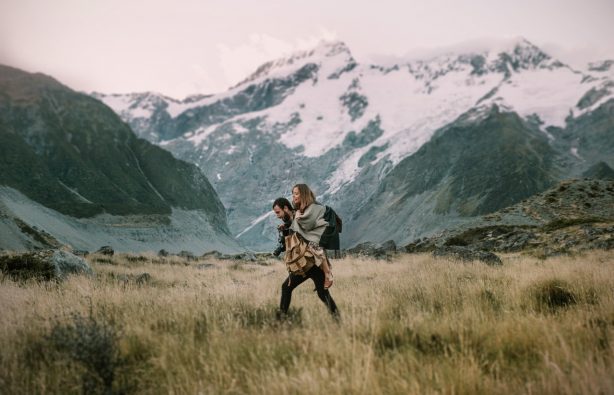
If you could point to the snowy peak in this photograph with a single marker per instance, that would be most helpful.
(329, 53)
(506, 57)
(527, 56)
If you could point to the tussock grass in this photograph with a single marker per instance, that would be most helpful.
(411, 325)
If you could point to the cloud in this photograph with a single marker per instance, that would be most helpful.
(237, 62)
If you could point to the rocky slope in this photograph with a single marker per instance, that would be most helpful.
(68, 161)
(573, 216)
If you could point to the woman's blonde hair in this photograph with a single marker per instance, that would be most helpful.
(307, 196)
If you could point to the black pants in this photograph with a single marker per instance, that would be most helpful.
(316, 274)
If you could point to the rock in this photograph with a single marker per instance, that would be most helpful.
(389, 246)
(420, 245)
(105, 250)
(513, 241)
(467, 255)
(211, 254)
(366, 248)
(45, 265)
(82, 253)
(163, 253)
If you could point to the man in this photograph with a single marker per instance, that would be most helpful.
(285, 212)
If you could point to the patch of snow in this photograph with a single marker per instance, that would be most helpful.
(141, 112)
(254, 223)
(77, 194)
(239, 128)
(551, 94)
(547, 133)
(118, 102)
(574, 152)
(322, 126)
(607, 85)
(176, 108)
(201, 134)
(347, 171)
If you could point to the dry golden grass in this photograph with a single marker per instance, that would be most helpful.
(414, 325)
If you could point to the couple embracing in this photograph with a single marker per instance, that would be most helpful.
(309, 229)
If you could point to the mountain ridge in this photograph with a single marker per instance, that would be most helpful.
(338, 134)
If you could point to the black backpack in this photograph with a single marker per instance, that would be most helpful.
(330, 237)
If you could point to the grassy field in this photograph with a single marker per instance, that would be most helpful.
(414, 325)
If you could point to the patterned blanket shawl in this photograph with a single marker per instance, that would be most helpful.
(312, 224)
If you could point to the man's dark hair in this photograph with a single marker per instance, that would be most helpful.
(282, 203)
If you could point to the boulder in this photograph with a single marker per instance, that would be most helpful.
(44, 265)
(163, 253)
(213, 254)
(389, 246)
(465, 254)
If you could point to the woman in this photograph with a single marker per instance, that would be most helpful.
(304, 257)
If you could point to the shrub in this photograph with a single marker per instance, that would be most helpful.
(136, 258)
(553, 294)
(106, 261)
(94, 344)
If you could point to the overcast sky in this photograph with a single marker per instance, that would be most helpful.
(182, 47)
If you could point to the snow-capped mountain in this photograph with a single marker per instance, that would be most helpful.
(321, 117)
